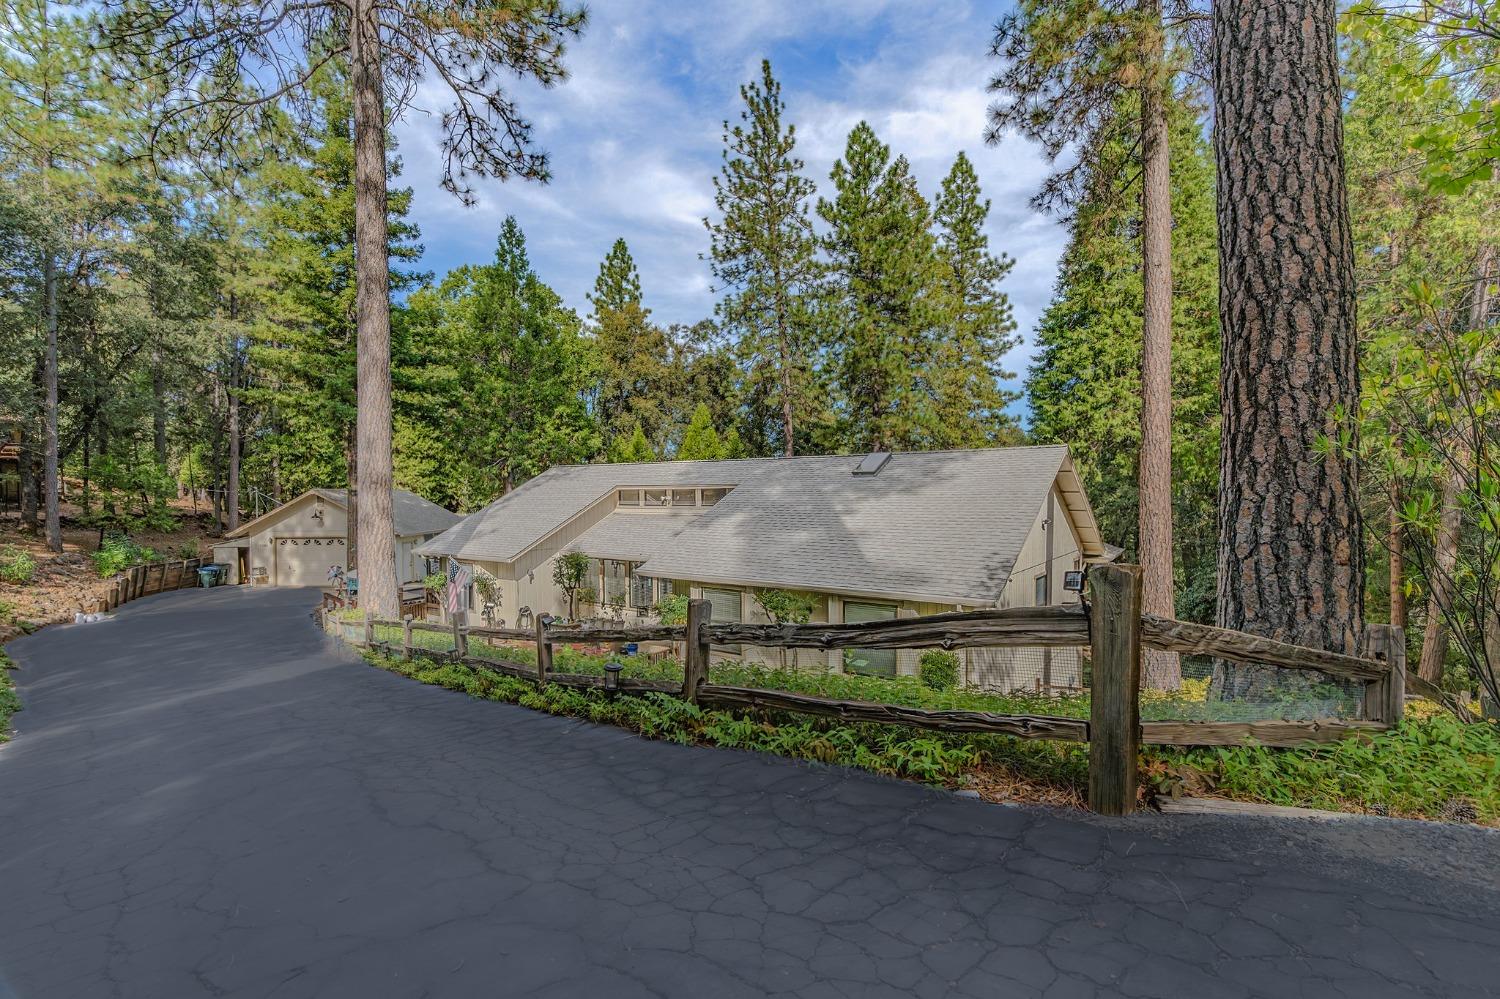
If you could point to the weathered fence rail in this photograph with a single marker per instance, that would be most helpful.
(1111, 624)
(137, 581)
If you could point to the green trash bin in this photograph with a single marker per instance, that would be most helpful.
(208, 575)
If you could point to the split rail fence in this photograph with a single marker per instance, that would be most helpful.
(1111, 623)
(151, 577)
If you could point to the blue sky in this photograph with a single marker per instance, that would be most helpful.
(635, 136)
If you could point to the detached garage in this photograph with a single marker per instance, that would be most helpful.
(298, 542)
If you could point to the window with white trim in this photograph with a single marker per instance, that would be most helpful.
(641, 591)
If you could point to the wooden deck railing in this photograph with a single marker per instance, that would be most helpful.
(137, 581)
(1111, 624)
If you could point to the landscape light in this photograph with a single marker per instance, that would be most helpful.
(612, 677)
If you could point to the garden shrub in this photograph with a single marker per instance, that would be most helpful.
(938, 670)
(17, 565)
(118, 552)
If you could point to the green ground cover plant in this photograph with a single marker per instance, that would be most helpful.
(118, 552)
(10, 703)
(1431, 766)
(17, 565)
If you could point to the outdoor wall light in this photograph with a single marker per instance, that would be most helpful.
(612, 677)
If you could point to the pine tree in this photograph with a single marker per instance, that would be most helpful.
(979, 327)
(732, 446)
(495, 393)
(49, 87)
(636, 377)
(632, 448)
(763, 253)
(1289, 373)
(700, 441)
(1084, 384)
(1065, 73)
(618, 284)
(304, 343)
(883, 294)
(224, 65)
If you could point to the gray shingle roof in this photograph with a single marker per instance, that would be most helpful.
(412, 514)
(944, 525)
(632, 536)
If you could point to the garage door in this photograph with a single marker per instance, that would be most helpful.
(305, 561)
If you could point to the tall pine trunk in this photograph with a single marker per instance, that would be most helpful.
(376, 535)
(232, 498)
(50, 472)
(1291, 564)
(1154, 470)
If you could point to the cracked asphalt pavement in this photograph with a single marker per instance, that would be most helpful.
(204, 797)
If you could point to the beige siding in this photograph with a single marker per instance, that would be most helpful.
(1032, 561)
(1032, 668)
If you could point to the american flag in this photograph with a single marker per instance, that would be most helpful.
(459, 578)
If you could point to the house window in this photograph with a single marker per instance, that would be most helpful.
(665, 588)
(658, 497)
(641, 591)
(1039, 598)
(872, 662)
(630, 497)
(724, 605)
(684, 497)
(615, 576)
(712, 496)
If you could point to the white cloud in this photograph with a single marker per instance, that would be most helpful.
(635, 136)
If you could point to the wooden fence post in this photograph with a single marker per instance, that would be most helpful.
(406, 638)
(1385, 699)
(460, 639)
(695, 659)
(1114, 713)
(369, 631)
(543, 649)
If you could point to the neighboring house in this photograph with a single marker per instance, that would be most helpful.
(870, 537)
(296, 543)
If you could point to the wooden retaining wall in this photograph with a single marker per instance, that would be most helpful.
(150, 577)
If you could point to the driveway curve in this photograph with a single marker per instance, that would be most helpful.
(204, 797)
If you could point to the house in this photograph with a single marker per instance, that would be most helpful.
(296, 543)
(869, 537)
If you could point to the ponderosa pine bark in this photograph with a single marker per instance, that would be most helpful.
(1162, 670)
(1291, 564)
(376, 533)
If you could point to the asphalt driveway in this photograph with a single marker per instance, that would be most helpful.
(205, 798)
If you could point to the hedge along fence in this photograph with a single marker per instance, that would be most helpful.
(1111, 623)
(150, 577)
